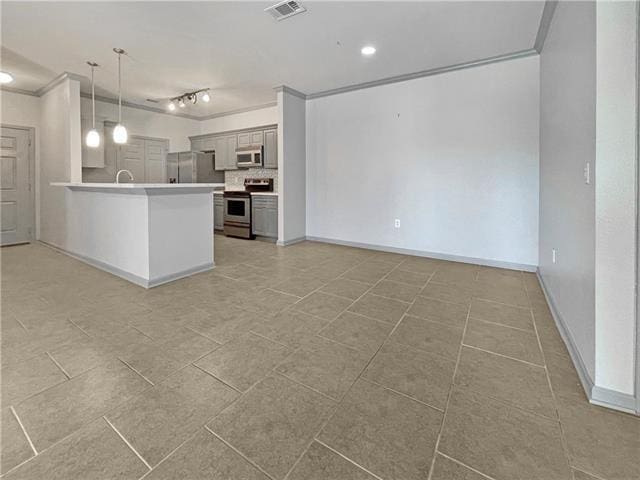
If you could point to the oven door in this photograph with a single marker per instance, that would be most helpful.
(237, 210)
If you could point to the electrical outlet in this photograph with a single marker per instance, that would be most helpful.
(587, 173)
(397, 223)
(554, 255)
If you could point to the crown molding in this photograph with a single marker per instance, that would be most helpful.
(19, 91)
(239, 110)
(545, 24)
(426, 73)
(57, 81)
(291, 91)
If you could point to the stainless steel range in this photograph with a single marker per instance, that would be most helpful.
(237, 214)
(237, 207)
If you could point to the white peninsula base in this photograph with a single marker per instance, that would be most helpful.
(149, 234)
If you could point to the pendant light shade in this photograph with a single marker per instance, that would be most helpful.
(120, 134)
(93, 137)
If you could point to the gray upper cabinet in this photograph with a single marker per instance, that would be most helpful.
(197, 145)
(225, 146)
(232, 144)
(270, 148)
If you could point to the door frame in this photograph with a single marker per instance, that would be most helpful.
(31, 131)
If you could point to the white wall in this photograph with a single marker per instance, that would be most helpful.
(567, 143)
(60, 157)
(24, 111)
(291, 168)
(238, 121)
(616, 195)
(148, 124)
(453, 156)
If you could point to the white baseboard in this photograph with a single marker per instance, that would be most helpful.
(284, 243)
(421, 253)
(596, 395)
(140, 281)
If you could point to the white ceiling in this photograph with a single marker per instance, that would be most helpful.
(241, 53)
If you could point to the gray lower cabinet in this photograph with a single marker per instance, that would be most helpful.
(265, 215)
(218, 212)
(270, 149)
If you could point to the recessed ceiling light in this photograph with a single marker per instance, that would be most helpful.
(368, 50)
(5, 77)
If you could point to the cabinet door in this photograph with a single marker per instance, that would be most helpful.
(220, 147)
(271, 222)
(244, 139)
(208, 144)
(218, 216)
(155, 161)
(197, 145)
(231, 145)
(258, 220)
(257, 138)
(92, 156)
(132, 158)
(270, 149)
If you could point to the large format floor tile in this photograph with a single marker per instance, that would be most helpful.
(15, 446)
(321, 463)
(322, 305)
(439, 311)
(388, 434)
(602, 441)
(432, 337)
(94, 452)
(290, 327)
(282, 417)
(415, 373)
(521, 384)
(163, 417)
(61, 410)
(315, 311)
(447, 469)
(512, 342)
(22, 379)
(508, 315)
(245, 361)
(380, 308)
(357, 331)
(325, 366)
(205, 457)
(501, 441)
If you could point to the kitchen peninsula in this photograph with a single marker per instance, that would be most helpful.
(147, 233)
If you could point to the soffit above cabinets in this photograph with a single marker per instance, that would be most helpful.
(242, 53)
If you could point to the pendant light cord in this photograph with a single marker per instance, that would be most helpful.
(93, 98)
(119, 91)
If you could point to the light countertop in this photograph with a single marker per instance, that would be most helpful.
(175, 186)
(270, 194)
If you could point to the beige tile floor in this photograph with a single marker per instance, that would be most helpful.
(312, 361)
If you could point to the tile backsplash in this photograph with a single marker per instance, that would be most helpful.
(234, 179)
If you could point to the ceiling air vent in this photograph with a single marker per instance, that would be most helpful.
(285, 9)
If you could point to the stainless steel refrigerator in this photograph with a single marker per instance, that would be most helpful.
(193, 167)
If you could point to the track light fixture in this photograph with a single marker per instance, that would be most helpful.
(191, 97)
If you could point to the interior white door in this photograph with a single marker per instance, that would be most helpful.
(16, 207)
(155, 161)
(132, 158)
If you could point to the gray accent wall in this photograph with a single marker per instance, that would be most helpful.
(567, 143)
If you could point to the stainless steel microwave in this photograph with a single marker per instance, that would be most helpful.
(250, 156)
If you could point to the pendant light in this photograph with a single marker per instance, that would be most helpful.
(93, 137)
(119, 132)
